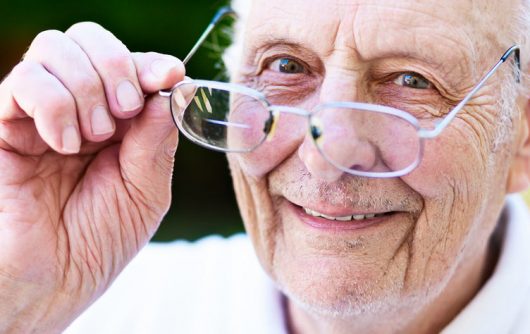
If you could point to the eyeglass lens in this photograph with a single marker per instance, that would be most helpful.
(351, 139)
(365, 141)
(220, 119)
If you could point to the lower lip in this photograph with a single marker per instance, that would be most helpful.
(335, 225)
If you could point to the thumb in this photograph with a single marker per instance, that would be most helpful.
(147, 155)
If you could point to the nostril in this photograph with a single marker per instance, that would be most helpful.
(316, 164)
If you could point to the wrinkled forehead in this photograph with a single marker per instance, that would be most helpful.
(466, 28)
(477, 18)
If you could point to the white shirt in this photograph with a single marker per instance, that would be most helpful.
(216, 285)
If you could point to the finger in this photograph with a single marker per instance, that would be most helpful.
(17, 129)
(43, 97)
(9, 109)
(21, 136)
(157, 71)
(147, 153)
(64, 59)
(114, 64)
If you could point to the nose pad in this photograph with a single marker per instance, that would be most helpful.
(332, 147)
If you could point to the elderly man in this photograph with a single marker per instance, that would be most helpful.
(389, 215)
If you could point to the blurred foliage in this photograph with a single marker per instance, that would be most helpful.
(203, 199)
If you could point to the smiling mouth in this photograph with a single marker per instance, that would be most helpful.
(340, 222)
(353, 217)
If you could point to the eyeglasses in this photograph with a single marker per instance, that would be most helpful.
(361, 139)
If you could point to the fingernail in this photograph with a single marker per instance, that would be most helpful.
(161, 67)
(100, 121)
(128, 97)
(71, 140)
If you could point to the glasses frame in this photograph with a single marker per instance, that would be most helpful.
(276, 110)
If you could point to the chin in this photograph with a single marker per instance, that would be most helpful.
(350, 273)
(329, 295)
(351, 293)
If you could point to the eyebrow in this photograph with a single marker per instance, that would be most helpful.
(269, 42)
(456, 70)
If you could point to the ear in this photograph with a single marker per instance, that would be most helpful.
(519, 177)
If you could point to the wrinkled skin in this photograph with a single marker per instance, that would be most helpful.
(415, 271)
(72, 214)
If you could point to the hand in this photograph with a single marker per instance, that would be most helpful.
(86, 158)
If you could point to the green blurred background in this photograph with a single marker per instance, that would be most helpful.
(203, 199)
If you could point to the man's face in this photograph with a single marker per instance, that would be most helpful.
(431, 223)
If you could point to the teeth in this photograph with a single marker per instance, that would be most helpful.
(311, 212)
(343, 218)
(327, 217)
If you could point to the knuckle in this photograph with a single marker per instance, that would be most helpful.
(150, 55)
(44, 40)
(24, 69)
(84, 27)
(58, 101)
(119, 62)
(86, 84)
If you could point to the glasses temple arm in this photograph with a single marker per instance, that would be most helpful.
(443, 124)
(221, 13)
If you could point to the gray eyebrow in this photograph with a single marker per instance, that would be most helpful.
(447, 70)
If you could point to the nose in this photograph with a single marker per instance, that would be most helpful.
(337, 143)
(342, 135)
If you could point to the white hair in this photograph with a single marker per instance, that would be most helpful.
(520, 35)
(520, 32)
(232, 55)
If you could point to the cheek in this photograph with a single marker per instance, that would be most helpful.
(455, 182)
(453, 161)
(282, 141)
(257, 210)
(450, 180)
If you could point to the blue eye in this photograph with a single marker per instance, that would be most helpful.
(413, 80)
(287, 65)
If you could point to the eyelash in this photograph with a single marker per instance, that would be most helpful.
(267, 63)
(403, 75)
(387, 80)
